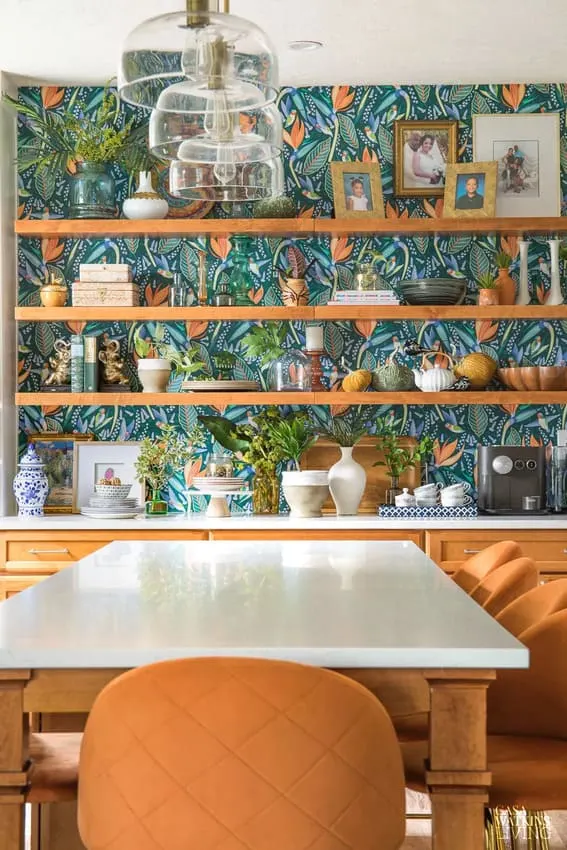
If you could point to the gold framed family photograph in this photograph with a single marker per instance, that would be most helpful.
(56, 450)
(470, 190)
(357, 190)
(423, 151)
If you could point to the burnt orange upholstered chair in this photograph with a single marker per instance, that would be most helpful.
(239, 754)
(505, 584)
(472, 571)
(527, 726)
(534, 606)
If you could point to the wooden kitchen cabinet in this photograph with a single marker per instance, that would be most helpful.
(12, 584)
(547, 548)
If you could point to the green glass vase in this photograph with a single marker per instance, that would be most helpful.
(156, 506)
(240, 279)
(266, 491)
(92, 191)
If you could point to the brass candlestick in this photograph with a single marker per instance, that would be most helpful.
(316, 369)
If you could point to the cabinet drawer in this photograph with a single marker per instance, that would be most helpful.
(311, 534)
(10, 585)
(450, 548)
(51, 550)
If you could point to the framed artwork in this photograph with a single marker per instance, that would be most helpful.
(57, 452)
(423, 149)
(94, 461)
(470, 190)
(357, 190)
(527, 150)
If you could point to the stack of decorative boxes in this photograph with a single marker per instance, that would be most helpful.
(105, 285)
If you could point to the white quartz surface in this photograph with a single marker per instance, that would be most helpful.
(333, 604)
(66, 522)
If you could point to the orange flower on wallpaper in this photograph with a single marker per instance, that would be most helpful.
(341, 97)
(369, 156)
(220, 246)
(256, 295)
(296, 133)
(195, 330)
(434, 211)
(156, 297)
(365, 327)
(509, 245)
(51, 96)
(486, 330)
(51, 249)
(393, 212)
(306, 212)
(341, 249)
(513, 94)
(76, 327)
(337, 409)
(192, 470)
(445, 454)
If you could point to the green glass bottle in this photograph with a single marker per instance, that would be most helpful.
(240, 280)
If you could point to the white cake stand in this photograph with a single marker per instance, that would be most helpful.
(218, 505)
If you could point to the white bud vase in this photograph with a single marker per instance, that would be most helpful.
(347, 480)
(555, 296)
(523, 296)
(145, 203)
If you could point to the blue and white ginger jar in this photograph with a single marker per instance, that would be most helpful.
(31, 485)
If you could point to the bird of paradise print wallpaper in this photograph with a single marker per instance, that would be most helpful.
(321, 124)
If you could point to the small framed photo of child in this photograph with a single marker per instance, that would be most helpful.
(470, 190)
(357, 189)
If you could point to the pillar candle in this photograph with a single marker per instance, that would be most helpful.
(314, 337)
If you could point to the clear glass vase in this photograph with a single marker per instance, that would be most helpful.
(92, 191)
(156, 506)
(266, 493)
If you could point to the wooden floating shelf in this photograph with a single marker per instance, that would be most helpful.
(322, 313)
(77, 229)
(262, 398)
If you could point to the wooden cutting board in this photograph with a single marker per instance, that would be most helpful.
(325, 453)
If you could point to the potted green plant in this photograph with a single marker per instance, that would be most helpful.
(162, 457)
(69, 142)
(488, 291)
(505, 282)
(288, 369)
(292, 281)
(305, 490)
(347, 478)
(154, 369)
(398, 458)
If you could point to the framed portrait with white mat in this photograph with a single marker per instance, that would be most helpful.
(526, 147)
(98, 460)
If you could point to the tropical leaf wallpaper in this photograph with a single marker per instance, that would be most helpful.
(321, 124)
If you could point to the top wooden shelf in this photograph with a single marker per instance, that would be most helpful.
(79, 228)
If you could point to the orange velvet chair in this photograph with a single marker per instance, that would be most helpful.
(527, 726)
(472, 571)
(239, 754)
(505, 584)
(534, 606)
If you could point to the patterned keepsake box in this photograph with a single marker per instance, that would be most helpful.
(105, 272)
(101, 294)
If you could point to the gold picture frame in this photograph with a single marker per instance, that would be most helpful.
(364, 178)
(57, 450)
(409, 138)
(460, 202)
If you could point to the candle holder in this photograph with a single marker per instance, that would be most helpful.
(316, 369)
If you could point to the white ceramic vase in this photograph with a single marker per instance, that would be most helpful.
(305, 492)
(154, 373)
(145, 203)
(347, 480)
(555, 296)
(523, 296)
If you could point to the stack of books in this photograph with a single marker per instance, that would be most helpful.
(84, 363)
(105, 284)
(380, 297)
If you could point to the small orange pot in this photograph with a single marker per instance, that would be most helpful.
(488, 297)
(506, 287)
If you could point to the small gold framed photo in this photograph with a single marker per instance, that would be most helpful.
(357, 190)
(56, 450)
(470, 190)
(424, 150)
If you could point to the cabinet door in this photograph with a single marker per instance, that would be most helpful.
(414, 536)
(10, 585)
(450, 548)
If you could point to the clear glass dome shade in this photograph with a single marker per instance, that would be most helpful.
(256, 173)
(170, 48)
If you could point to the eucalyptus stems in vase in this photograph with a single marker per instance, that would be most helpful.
(160, 458)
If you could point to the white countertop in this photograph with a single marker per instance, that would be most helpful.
(332, 604)
(243, 522)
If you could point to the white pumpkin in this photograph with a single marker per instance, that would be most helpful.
(434, 380)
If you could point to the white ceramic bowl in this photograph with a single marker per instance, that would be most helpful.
(113, 491)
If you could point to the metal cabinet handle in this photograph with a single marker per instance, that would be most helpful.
(565, 551)
(48, 551)
(471, 551)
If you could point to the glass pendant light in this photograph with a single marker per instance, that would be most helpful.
(164, 50)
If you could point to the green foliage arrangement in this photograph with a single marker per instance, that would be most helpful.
(162, 457)
(346, 430)
(503, 260)
(184, 362)
(60, 139)
(293, 437)
(397, 458)
(487, 281)
(265, 342)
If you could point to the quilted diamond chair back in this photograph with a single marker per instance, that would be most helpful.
(534, 606)
(484, 562)
(239, 754)
(505, 584)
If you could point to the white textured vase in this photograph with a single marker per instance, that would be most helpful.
(555, 296)
(154, 374)
(347, 480)
(145, 203)
(523, 296)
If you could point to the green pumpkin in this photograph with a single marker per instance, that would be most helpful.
(393, 377)
(278, 207)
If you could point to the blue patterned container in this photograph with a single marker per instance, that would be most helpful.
(31, 485)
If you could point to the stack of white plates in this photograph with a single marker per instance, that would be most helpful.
(111, 505)
(218, 483)
(220, 386)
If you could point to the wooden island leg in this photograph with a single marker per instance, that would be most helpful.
(13, 758)
(457, 774)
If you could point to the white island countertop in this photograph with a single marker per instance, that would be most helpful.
(332, 604)
(281, 522)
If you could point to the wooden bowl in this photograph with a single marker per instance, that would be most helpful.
(535, 378)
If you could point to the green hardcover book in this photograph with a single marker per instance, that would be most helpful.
(90, 371)
(77, 363)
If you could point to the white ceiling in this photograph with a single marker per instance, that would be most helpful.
(365, 41)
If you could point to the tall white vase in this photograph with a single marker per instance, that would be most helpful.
(523, 296)
(347, 480)
(555, 295)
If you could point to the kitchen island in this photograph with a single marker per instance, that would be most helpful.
(364, 608)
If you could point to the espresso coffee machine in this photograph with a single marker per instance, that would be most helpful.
(511, 479)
